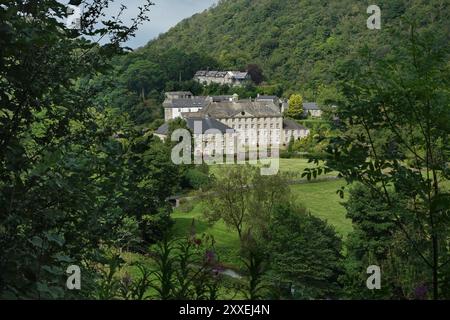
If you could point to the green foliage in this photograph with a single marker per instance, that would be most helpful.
(244, 199)
(295, 110)
(255, 263)
(181, 268)
(376, 240)
(137, 81)
(186, 269)
(72, 171)
(197, 179)
(299, 48)
(304, 255)
(394, 136)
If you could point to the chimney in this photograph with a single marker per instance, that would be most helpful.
(235, 97)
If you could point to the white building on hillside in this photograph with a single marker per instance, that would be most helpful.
(231, 78)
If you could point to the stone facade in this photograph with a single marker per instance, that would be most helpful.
(293, 129)
(252, 121)
(312, 109)
(231, 78)
(177, 103)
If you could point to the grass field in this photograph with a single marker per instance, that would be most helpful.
(323, 202)
(318, 197)
(227, 241)
(294, 167)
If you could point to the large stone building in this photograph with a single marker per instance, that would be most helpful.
(231, 78)
(249, 118)
(208, 131)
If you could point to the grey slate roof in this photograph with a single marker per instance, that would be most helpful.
(310, 106)
(239, 75)
(207, 124)
(163, 129)
(221, 98)
(224, 110)
(212, 74)
(179, 93)
(289, 124)
(268, 98)
(195, 102)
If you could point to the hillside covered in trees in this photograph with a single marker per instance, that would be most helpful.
(297, 44)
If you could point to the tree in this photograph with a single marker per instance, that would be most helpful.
(400, 96)
(142, 76)
(375, 240)
(244, 199)
(230, 198)
(58, 175)
(295, 109)
(255, 73)
(304, 255)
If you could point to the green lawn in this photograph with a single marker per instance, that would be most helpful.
(227, 241)
(297, 166)
(292, 166)
(319, 197)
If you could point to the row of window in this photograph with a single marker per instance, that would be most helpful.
(187, 110)
(237, 120)
(254, 126)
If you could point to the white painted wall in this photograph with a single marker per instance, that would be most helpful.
(176, 112)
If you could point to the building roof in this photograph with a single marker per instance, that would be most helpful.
(289, 124)
(224, 110)
(221, 98)
(260, 97)
(194, 102)
(163, 130)
(178, 93)
(310, 106)
(206, 124)
(239, 75)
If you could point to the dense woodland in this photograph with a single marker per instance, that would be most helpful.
(84, 181)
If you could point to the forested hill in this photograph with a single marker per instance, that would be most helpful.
(296, 42)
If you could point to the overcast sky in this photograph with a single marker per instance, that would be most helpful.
(163, 15)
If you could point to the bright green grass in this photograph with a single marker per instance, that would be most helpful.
(226, 240)
(323, 202)
(295, 167)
